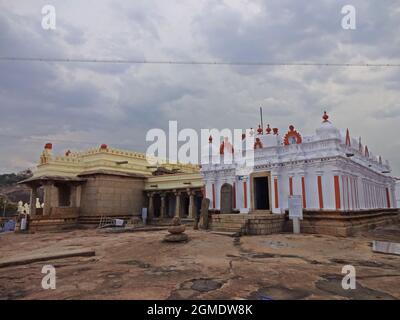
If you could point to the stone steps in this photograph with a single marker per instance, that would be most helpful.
(229, 223)
(224, 233)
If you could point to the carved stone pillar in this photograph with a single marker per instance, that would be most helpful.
(163, 207)
(192, 208)
(178, 204)
(48, 191)
(72, 199)
(32, 203)
(151, 207)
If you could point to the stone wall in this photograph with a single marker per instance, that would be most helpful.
(58, 220)
(248, 224)
(60, 211)
(344, 224)
(265, 224)
(335, 223)
(112, 195)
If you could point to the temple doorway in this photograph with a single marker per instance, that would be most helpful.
(157, 205)
(226, 198)
(261, 193)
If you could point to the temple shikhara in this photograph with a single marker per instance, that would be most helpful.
(344, 188)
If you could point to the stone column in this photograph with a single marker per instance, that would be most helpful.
(48, 190)
(150, 211)
(178, 204)
(163, 207)
(32, 204)
(78, 195)
(72, 199)
(192, 208)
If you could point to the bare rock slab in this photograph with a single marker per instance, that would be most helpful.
(16, 261)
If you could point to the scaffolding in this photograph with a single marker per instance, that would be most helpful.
(106, 222)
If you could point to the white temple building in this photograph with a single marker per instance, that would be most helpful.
(329, 169)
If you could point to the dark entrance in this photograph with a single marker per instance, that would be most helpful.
(64, 195)
(261, 193)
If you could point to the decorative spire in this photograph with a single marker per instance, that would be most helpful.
(268, 130)
(366, 153)
(258, 144)
(259, 130)
(360, 147)
(225, 144)
(275, 130)
(48, 146)
(348, 143)
(325, 117)
(210, 138)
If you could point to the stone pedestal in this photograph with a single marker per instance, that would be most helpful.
(176, 232)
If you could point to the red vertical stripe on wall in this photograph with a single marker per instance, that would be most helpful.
(276, 193)
(234, 195)
(388, 197)
(337, 191)
(213, 196)
(343, 192)
(245, 193)
(291, 186)
(348, 192)
(320, 195)
(303, 191)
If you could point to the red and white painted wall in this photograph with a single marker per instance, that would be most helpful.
(330, 170)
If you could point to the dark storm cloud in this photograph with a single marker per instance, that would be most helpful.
(79, 105)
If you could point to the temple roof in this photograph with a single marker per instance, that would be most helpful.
(112, 173)
(51, 178)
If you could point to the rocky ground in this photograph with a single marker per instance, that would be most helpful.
(138, 265)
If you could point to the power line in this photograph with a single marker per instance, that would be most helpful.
(216, 63)
(64, 141)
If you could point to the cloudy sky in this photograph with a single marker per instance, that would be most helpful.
(81, 105)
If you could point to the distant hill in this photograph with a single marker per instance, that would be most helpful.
(9, 179)
(13, 192)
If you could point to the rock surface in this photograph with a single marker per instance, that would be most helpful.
(140, 266)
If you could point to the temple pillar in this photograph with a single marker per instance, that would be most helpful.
(150, 212)
(73, 196)
(163, 207)
(178, 204)
(192, 209)
(78, 195)
(48, 191)
(32, 203)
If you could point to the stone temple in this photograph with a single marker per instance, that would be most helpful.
(82, 187)
(344, 188)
